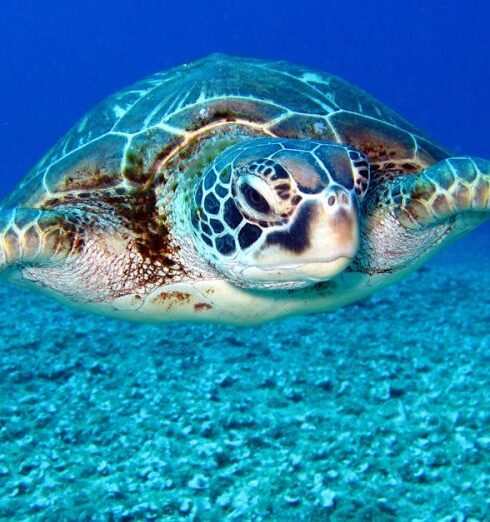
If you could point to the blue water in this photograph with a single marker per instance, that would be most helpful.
(58, 59)
(380, 411)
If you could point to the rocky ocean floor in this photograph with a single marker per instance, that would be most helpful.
(380, 411)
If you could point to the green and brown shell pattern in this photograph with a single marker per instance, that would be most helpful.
(126, 142)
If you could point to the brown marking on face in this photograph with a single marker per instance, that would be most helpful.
(200, 307)
(303, 173)
(343, 226)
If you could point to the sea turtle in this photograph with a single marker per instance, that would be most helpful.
(235, 190)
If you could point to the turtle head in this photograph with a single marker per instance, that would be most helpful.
(271, 213)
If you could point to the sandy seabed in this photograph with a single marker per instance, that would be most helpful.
(380, 411)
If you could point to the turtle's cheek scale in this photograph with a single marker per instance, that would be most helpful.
(231, 215)
(221, 231)
(248, 235)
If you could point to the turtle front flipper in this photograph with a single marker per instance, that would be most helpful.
(454, 190)
(36, 237)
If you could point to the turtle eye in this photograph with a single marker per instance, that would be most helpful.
(254, 199)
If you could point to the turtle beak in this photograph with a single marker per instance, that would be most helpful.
(333, 235)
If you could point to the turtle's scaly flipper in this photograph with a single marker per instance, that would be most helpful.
(36, 237)
(453, 188)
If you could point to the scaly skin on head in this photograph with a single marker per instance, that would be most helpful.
(277, 213)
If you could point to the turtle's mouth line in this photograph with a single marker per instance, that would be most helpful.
(302, 271)
(299, 265)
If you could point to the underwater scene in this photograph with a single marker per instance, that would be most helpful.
(243, 289)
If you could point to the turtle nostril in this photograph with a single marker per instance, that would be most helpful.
(338, 198)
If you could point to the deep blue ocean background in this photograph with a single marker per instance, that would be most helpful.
(429, 61)
(380, 411)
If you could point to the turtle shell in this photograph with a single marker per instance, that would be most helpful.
(122, 143)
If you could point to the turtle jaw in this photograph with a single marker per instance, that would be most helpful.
(296, 274)
(321, 244)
